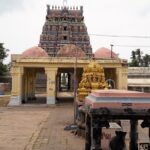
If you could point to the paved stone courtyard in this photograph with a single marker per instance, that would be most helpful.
(37, 128)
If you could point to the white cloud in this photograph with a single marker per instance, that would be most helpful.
(7, 6)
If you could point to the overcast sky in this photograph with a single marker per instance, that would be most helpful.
(21, 23)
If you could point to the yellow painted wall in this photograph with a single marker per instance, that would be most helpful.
(51, 66)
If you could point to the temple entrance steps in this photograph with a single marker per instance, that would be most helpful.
(65, 94)
(64, 97)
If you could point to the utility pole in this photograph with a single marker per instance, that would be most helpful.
(111, 45)
(75, 84)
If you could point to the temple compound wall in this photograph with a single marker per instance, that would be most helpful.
(24, 71)
(139, 79)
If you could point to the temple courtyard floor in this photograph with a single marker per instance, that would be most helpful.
(38, 128)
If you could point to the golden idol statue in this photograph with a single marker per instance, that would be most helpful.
(93, 78)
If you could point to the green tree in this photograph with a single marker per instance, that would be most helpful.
(3, 55)
(138, 60)
(139, 57)
(133, 55)
(146, 60)
(134, 61)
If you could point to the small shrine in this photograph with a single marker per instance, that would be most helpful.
(93, 78)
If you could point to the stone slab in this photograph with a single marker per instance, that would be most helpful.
(15, 101)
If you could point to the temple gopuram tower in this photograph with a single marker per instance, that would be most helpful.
(64, 25)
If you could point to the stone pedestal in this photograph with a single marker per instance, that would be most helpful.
(15, 101)
(51, 100)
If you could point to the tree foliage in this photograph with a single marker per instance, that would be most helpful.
(138, 59)
(3, 55)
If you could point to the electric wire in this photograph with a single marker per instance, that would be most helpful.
(144, 46)
(124, 36)
(121, 36)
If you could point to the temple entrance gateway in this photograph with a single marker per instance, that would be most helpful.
(64, 44)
